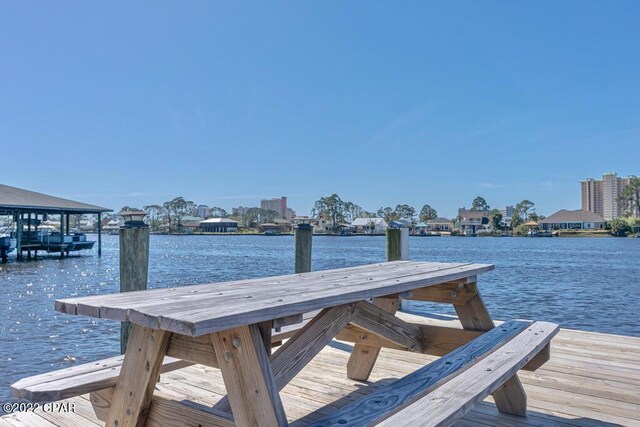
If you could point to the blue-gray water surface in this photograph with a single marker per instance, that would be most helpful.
(581, 283)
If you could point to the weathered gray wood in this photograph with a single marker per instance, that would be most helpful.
(393, 244)
(402, 393)
(363, 356)
(380, 322)
(116, 306)
(511, 398)
(444, 406)
(303, 239)
(134, 268)
(165, 411)
(134, 389)
(449, 293)
(299, 350)
(247, 375)
(78, 380)
(199, 318)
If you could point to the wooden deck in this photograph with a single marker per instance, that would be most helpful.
(592, 379)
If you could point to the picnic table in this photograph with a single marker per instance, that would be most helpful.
(234, 326)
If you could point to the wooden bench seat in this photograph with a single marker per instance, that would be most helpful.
(101, 374)
(443, 391)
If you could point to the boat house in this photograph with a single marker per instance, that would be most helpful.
(219, 225)
(28, 210)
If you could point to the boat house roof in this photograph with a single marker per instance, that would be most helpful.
(14, 200)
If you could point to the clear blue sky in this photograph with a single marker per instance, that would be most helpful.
(134, 103)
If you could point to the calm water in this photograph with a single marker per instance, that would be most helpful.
(580, 283)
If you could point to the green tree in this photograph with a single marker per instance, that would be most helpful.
(218, 212)
(496, 219)
(388, 214)
(405, 211)
(479, 204)
(428, 213)
(154, 213)
(331, 207)
(629, 198)
(619, 227)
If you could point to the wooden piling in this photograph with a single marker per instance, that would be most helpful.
(19, 236)
(397, 244)
(303, 238)
(134, 267)
(99, 234)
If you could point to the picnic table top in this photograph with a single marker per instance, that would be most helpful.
(201, 309)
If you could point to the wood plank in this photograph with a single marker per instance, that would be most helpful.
(450, 402)
(457, 293)
(77, 380)
(363, 356)
(405, 391)
(378, 321)
(247, 375)
(511, 397)
(277, 298)
(298, 351)
(142, 361)
(91, 305)
(166, 411)
(281, 300)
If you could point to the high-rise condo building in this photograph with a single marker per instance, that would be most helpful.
(600, 196)
(279, 205)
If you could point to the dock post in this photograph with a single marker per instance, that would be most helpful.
(397, 244)
(19, 236)
(134, 261)
(62, 235)
(29, 235)
(303, 237)
(99, 233)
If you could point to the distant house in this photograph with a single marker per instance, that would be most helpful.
(219, 225)
(572, 220)
(473, 221)
(324, 224)
(284, 226)
(188, 224)
(439, 225)
(369, 225)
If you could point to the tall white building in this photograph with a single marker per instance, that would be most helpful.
(204, 211)
(279, 205)
(600, 196)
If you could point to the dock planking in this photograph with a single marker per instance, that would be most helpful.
(600, 389)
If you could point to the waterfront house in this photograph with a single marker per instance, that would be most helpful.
(573, 220)
(473, 221)
(219, 225)
(439, 225)
(188, 224)
(324, 224)
(369, 225)
(284, 226)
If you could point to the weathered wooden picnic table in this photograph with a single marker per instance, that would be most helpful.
(234, 326)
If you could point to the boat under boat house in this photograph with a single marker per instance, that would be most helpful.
(29, 209)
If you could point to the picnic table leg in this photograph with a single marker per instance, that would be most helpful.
(143, 359)
(247, 375)
(363, 357)
(511, 397)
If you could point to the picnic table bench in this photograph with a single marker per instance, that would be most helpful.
(234, 326)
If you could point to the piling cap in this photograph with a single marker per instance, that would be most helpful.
(133, 218)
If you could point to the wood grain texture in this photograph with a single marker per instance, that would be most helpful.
(378, 321)
(165, 411)
(363, 356)
(298, 351)
(445, 405)
(404, 392)
(511, 398)
(140, 369)
(247, 375)
(448, 293)
(185, 310)
(78, 380)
